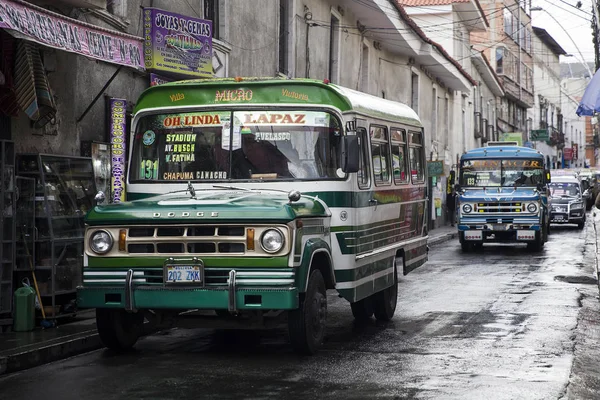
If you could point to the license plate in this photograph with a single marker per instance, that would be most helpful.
(525, 235)
(473, 235)
(558, 217)
(183, 274)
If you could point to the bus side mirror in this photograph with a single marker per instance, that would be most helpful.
(350, 154)
(457, 188)
(548, 178)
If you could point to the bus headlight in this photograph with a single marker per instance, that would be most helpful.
(532, 207)
(576, 206)
(467, 208)
(101, 242)
(272, 240)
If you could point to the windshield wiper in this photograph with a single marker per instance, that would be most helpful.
(232, 188)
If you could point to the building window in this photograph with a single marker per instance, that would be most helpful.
(399, 155)
(508, 19)
(380, 153)
(500, 60)
(334, 49)
(211, 13)
(284, 36)
(414, 92)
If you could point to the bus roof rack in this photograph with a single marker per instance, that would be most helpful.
(507, 143)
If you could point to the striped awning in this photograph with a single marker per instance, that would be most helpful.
(31, 85)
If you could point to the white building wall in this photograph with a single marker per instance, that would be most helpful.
(546, 76)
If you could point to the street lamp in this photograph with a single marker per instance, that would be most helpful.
(575, 44)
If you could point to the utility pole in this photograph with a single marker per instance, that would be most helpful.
(596, 32)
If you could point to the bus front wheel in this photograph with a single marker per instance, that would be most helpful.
(307, 323)
(384, 302)
(118, 329)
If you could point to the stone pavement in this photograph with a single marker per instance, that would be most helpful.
(23, 350)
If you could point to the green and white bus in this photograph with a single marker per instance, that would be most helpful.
(247, 199)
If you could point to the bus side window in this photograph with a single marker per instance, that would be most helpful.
(380, 155)
(364, 173)
(417, 157)
(399, 155)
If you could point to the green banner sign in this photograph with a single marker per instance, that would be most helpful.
(512, 137)
(435, 168)
(539, 135)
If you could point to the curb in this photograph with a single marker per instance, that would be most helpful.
(442, 238)
(81, 343)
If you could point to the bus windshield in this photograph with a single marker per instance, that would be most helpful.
(504, 173)
(207, 146)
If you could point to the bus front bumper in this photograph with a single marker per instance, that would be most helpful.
(498, 233)
(186, 298)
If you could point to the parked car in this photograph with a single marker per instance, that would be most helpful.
(567, 205)
(585, 175)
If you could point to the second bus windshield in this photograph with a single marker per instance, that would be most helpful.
(509, 172)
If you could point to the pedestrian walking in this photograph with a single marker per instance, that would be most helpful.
(451, 205)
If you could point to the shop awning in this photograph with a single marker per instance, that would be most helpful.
(27, 21)
(31, 85)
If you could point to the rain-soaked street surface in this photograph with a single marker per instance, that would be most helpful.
(502, 323)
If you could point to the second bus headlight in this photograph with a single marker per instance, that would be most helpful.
(467, 208)
(272, 240)
(532, 207)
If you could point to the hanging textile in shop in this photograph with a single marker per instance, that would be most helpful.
(27, 21)
(31, 85)
(8, 99)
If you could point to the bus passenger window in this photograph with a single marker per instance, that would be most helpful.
(417, 157)
(399, 155)
(364, 172)
(380, 154)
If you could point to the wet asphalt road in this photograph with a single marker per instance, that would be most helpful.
(501, 323)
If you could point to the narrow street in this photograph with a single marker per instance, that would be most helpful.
(502, 323)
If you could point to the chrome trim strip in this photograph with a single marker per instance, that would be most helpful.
(129, 301)
(244, 274)
(112, 281)
(116, 273)
(264, 281)
(391, 247)
(232, 306)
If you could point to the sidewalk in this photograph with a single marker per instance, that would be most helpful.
(442, 234)
(23, 350)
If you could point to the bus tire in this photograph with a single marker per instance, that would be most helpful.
(307, 324)
(362, 310)
(118, 329)
(466, 247)
(384, 302)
